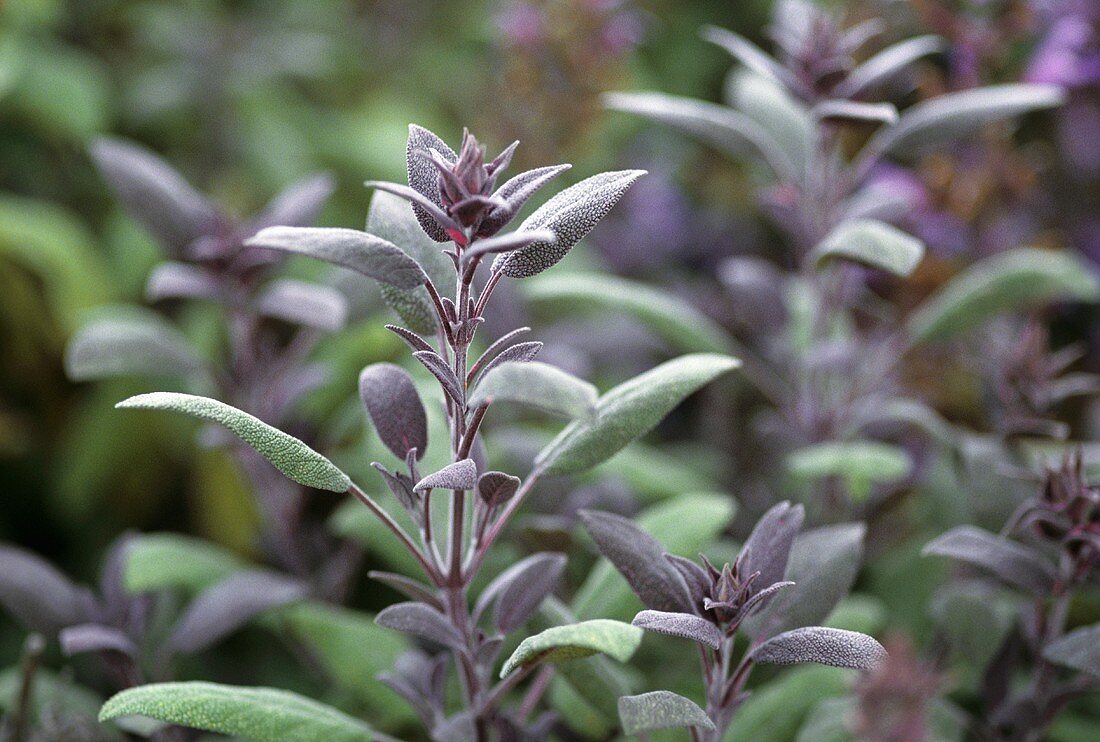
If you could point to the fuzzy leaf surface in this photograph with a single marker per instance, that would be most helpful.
(537, 385)
(420, 620)
(461, 475)
(660, 709)
(395, 409)
(768, 547)
(562, 643)
(683, 625)
(821, 645)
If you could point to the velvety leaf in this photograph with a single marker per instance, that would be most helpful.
(423, 176)
(228, 605)
(660, 709)
(872, 243)
(414, 341)
(855, 111)
(154, 194)
(288, 454)
(824, 646)
(443, 372)
(538, 385)
(421, 205)
(518, 353)
(747, 53)
(1013, 563)
(298, 204)
(768, 547)
(131, 343)
(304, 303)
(860, 463)
(683, 625)
(953, 116)
(730, 132)
(36, 593)
(1079, 649)
(411, 588)
(777, 112)
(461, 475)
(259, 714)
(639, 558)
(527, 584)
(157, 561)
(562, 643)
(94, 637)
(395, 409)
(629, 411)
(823, 565)
(172, 280)
(496, 488)
(506, 243)
(887, 64)
(674, 320)
(349, 248)
(515, 193)
(420, 620)
(1007, 281)
(570, 214)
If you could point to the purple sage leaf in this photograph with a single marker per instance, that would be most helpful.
(420, 620)
(424, 177)
(518, 353)
(304, 303)
(418, 591)
(298, 204)
(515, 193)
(395, 409)
(36, 593)
(94, 637)
(172, 280)
(496, 488)
(461, 475)
(769, 545)
(525, 589)
(683, 625)
(444, 373)
(1015, 564)
(834, 647)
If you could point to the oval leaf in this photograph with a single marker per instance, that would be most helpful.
(538, 385)
(859, 463)
(629, 411)
(134, 343)
(571, 214)
(36, 593)
(304, 303)
(157, 561)
(824, 646)
(288, 454)
(395, 409)
(562, 643)
(461, 475)
(660, 709)
(496, 488)
(871, 243)
(259, 714)
(1079, 649)
(420, 620)
(348, 248)
(768, 547)
(683, 625)
(1013, 563)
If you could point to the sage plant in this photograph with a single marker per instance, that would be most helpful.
(712, 607)
(461, 510)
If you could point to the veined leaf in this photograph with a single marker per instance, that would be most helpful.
(288, 454)
(821, 645)
(629, 411)
(683, 625)
(259, 714)
(872, 243)
(538, 385)
(660, 709)
(1009, 281)
(562, 643)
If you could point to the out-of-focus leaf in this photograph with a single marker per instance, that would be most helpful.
(304, 303)
(747, 53)
(562, 643)
(420, 620)
(683, 525)
(36, 593)
(173, 280)
(858, 612)
(847, 111)
(629, 411)
(824, 646)
(64, 91)
(134, 342)
(259, 714)
(363, 253)
(860, 463)
(156, 561)
(51, 694)
(767, 103)
(94, 637)
(288, 454)
(887, 64)
(905, 410)
(872, 243)
(298, 204)
(1012, 562)
(395, 409)
(683, 625)
(538, 385)
(776, 710)
(1005, 282)
(675, 321)
(660, 709)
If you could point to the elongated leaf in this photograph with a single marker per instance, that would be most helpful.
(855, 111)
(132, 343)
(824, 646)
(683, 625)
(887, 64)
(538, 385)
(227, 606)
(259, 714)
(395, 409)
(748, 53)
(420, 620)
(1079, 649)
(38, 595)
(955, 115)
(154, 194)
(421, 204)
(570, 215)
(730, 132)
(443, 372)
(94, 637)
(859, 463)
(521, 595)
(414, 589)
(770, 105)
(423, 176)
(299, 203)
(1013, 563)
(506, 243)
(872, 243)
(629, 411)
(674, 320)
(461, 475)
(518, 353)
(172, 280)
(349, 248)
(515, 193)
(157, 561)
(562, 643)
(1008, 281)
(288, 454)
(660, 709)
(767, 549)
(304, 303)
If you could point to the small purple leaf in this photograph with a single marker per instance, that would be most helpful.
(435, 212)
(424, 178)
(834, 647)
(493, 349)
(506, 243)
(523, 594)
(420, 620)
(402, 488)
(683, 625)
(395, 409)
(303, 303)
(496, 488)
(414, 341)
(769, 545)
(443, 372)
(418, 591)
(461, 475)
(518, 353)
(694, 576)
(94, 637)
